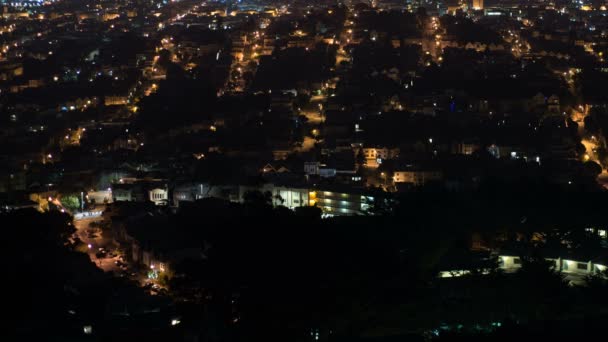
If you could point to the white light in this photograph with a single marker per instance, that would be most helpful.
(175, 321)
(87, 329)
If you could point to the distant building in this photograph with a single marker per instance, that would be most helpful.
(141, 190)
(321, 170)
(311, 168)
(116, 100)
(375, 155)
(159, 196)
(477, 5)
(466, 148)
(333, 202)
(338, 203)
(190, 192)
(417, 177)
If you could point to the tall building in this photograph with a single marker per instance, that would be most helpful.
(477, 5)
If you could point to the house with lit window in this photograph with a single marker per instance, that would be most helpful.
(334, 202)
(375, 155)
(417, 177)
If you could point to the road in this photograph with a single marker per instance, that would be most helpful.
(96, 241)
(591, 146)
(307, 145)
(108, 264)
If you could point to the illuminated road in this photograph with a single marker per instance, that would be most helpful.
(96, 241)
(591, 155)
(307, 145)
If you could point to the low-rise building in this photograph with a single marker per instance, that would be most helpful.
(417, 177)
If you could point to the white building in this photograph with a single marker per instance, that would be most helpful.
(511, 263)
(159, 196)
(332, 203)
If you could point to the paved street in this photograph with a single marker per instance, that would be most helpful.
(96, 241)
